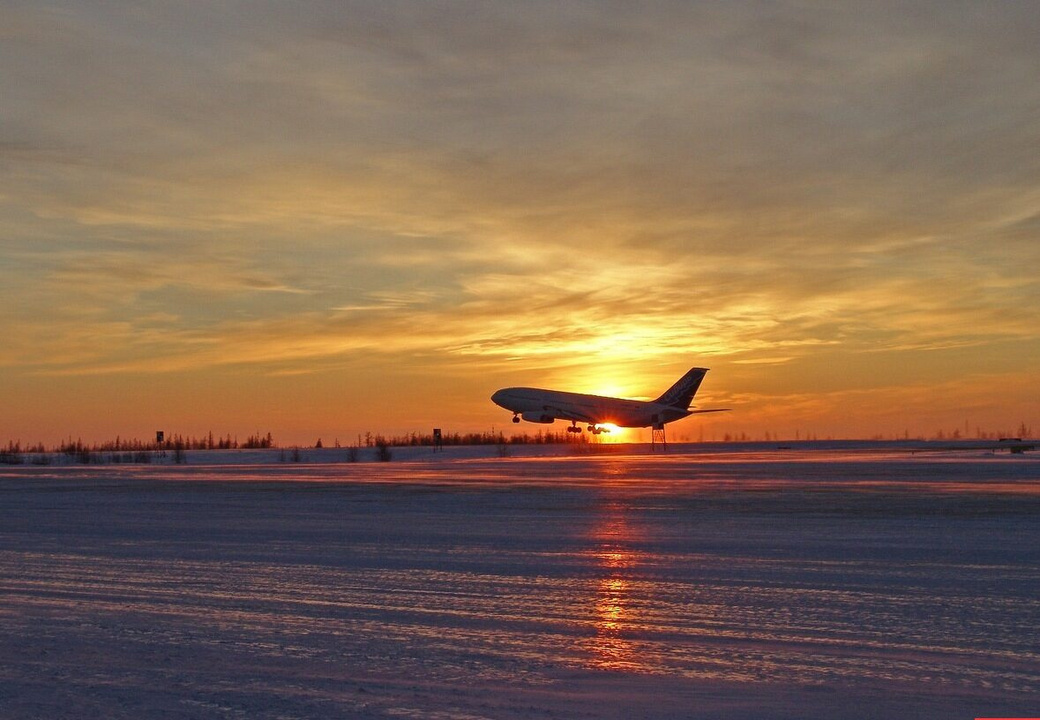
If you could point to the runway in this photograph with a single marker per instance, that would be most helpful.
(726, 584)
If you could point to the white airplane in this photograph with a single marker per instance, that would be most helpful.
(545, 406)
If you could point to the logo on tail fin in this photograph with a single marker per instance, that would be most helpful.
(680, 395)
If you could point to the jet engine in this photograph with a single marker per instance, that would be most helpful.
(537, 417)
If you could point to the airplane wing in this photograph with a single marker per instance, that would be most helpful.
(694, 412)
(571, 414)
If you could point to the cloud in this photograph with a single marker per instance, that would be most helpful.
(546, 186)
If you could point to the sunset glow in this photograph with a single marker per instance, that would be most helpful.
(369, 217)
(611, 433)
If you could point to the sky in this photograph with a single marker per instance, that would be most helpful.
(318, 219)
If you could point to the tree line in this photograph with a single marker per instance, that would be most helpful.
(135, 450)
(487, 437)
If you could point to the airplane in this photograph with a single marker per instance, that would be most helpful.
(546, 406)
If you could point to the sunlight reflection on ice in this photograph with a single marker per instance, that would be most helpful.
(611, 649)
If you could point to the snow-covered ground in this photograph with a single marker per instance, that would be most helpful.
(830, 581)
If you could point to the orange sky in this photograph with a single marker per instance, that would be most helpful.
(322, 220)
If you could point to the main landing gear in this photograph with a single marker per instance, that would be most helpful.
(594, 429)
(516, 418)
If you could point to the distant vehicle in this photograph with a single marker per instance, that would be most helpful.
(546, 406)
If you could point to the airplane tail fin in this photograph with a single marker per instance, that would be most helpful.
(680, 395)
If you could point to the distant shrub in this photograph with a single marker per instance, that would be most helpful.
(352, 454)
(383, 453)
(10, 458)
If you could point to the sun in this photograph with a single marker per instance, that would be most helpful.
(613, 434)
(611, 391)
